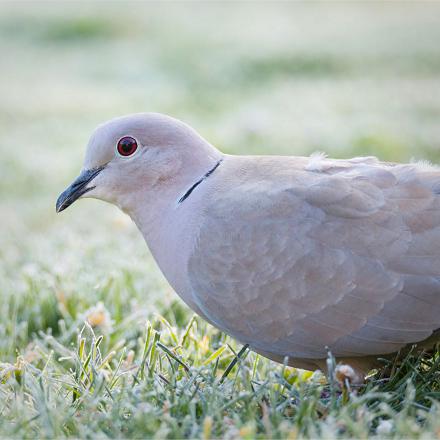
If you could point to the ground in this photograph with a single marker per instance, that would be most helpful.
(93, 342)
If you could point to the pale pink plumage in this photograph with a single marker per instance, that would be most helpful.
(291, 255)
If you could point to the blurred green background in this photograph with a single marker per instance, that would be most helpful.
(253, 78)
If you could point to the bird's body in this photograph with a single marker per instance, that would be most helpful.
(292, 255)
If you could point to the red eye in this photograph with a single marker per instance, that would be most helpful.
(127, 146)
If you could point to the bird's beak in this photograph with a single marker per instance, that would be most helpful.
(77, 188)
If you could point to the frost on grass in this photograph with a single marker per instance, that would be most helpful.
(166, 381)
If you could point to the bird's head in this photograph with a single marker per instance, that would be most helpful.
(138, 155)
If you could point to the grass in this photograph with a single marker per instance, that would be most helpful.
(166, 378)
(93, 342)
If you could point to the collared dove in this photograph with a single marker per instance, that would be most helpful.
(291, 255)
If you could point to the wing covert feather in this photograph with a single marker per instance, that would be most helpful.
(291, 260)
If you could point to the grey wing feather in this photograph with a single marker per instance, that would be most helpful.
(347, 257)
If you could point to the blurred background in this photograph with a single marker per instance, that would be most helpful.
(252, 78)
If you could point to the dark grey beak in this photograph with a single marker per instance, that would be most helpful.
(77, 189)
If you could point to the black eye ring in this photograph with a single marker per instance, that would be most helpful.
(127, 146)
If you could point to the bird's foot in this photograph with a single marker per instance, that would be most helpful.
(347, 377)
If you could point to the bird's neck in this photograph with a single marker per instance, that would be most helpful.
(150, 207)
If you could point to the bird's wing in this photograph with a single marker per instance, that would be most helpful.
(293, 257)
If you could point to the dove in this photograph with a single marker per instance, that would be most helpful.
(293, 256)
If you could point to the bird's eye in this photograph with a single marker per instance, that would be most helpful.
(127, 146)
